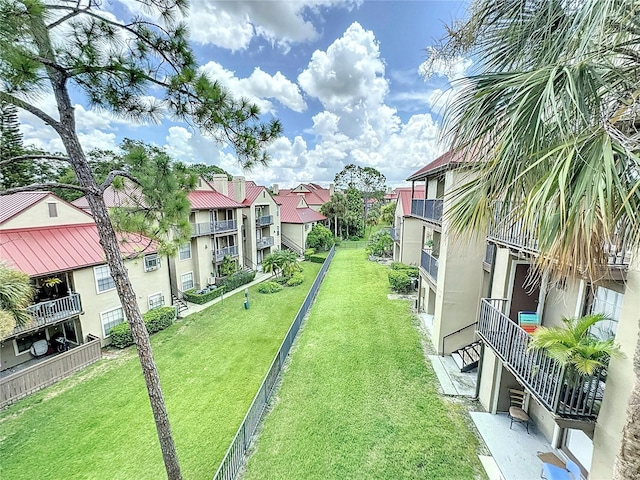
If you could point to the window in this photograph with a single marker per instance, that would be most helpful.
(104, 281)
(110, 319)
(184, 252)
(608, 302)
(151, 262)
(23, 344)
(53, 209)
(278, 230)
(187, 281)
(156, 300)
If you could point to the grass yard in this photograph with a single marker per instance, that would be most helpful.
(358, 400)
(98, 424)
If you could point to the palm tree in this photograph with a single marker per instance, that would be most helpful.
(270, 263)
(288, 263)
(15, 295)
(552, 112)
(574, 345)
(336, 207)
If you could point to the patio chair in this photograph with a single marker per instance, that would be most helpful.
(553, 472)
(516, 410)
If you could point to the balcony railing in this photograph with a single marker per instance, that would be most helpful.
(212, 228)
(508, 230)
(427, 209)
(52, 311)
(220, 253)
(264, 221)
(430, 264)
(395, 234)
(557, 388)
(264, 242)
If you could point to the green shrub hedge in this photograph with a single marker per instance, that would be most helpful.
(400, 281)
(410, 270)
(155, 320)
(316, 258)
(202, 298)
(237, 280)
(295, 280)
(269, 287)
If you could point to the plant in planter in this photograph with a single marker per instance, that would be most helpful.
(577, 349)
(51, 286)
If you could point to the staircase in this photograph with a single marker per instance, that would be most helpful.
(291, 245)
(467, 357)
(179, 303)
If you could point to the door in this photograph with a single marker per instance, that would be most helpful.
(524, 295)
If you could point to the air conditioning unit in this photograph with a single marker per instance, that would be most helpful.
(211, 280)
(151, 262)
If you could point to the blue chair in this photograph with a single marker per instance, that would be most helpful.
(552, 472)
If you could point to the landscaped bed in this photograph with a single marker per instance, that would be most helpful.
(98, 424)
(358, 400)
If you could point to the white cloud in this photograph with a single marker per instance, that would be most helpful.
(258, 87)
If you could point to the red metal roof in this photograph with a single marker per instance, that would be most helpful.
(11, 205)
(404, 197)
(251, 192)
(129, 195)
(208, 200)
(316, 195)
(46, 250)
(445, 160)
(293, 209)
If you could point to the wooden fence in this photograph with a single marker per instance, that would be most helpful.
(31, 379)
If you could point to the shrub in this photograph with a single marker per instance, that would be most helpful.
(400, 281)
(295, 280)
(316, 258)
(308, 252)
(320, 238)
(380, 244)
(269, 287)
(201, 297)
(354, 238)
(410, 270)
(155, 320)
(237, 280)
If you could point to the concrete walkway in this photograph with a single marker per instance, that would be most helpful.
(194, 307)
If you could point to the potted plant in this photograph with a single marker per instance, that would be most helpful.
(51, 286)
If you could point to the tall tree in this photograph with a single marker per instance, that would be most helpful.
(58, 47)
(335, 208)
(367, 180)
(553, 113)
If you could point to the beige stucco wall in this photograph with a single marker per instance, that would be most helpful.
(296, 232)
(562, 302)
(410, 241)
(620, 379)
(270, 207)
(38, 215)
(144, 284)
(499, 286)
(489, 378)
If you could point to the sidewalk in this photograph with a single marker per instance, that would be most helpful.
(194, 307)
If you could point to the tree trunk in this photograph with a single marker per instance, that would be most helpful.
(335, 226)
(627, 464)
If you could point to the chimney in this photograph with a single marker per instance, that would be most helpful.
(275, 189)
(219, 182)
(331, 189)
(239, 189)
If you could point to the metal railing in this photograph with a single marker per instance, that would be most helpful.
(212, 228)
(220, 253)
(559, 389)
(427, 209)
(264, 220)
(52, 311)
(264, 242)
(291, 244)
(24, 382)
(429, 263)
(235, 455)
(455, 333)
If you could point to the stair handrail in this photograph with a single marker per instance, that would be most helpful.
(453, 333)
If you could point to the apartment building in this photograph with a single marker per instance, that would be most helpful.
(296, 220)
(75, 300)
(486, 293)
(407, 229)
(314, 195)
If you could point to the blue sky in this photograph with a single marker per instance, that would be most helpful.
(341, 75)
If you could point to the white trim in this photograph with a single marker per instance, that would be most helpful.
(581, 298)
(182, 282)
(154, 295)
(190, 252)
(95, 279)
(124, 319)
(510, 285)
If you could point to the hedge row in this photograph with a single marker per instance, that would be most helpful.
(155, 320)
(410, 270)
(269, 287)
(202, 298)
(237, 280)
(400, 281)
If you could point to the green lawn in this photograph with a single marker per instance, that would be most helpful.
(98, 424)
(358, 400)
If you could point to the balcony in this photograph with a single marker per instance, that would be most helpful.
(569, 396)
(430, 210)
(264, 242)
(52, 311)
(509, 231)
(264, 221)
(395, 234)
(429, 264)
(220, 253)
(213, 228)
